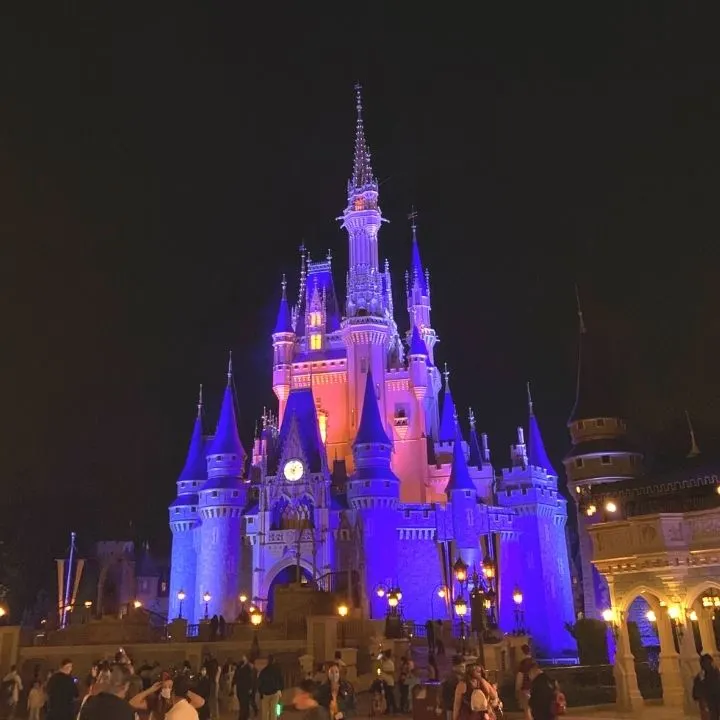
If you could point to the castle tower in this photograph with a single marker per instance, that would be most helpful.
(601, 451)
(283, 338)
(374, 491)
(446, 434)
(222, 500)
(367, 331)
(184, 521)
(419, 376)
(535, 555)
(462, 498)
(475, 456)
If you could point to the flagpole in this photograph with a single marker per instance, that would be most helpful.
(67, 582)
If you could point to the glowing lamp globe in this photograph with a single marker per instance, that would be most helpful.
(393, 600)
(181, 595)
(608, 615)
(88, 604)
(674, 612)
(398, 594)
(207, 597)
(517, 596)
(488, 567)
(380, 592)
(461, 607)
(611, 507)
(460, 570)
(3, 612)
(342, 610)
(243, 598)
(693, 616)
(137, 604)
(255, 617)
(651, 616)
(442, 592)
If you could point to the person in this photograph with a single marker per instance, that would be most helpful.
(212, 667)
(433, 673)
(62, 691)
(181, 708)
(474, 697)
(542, 694)
(336, 695)
(36, 700)
(387, 673)
(12, 687)
(204, 688)
(449, 685)
(522, 681)
(270, 686)
(404, 685)
(157, 699)
(706, 689)
(243, 684)
(109, 703)
(307, 704)
(430, 633)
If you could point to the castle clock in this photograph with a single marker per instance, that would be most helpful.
(293, 470)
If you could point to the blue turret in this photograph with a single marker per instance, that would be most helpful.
(374, 491)
(463, 500)
(447, 421)
(475, 458)
(222, 500)
(184, 520)
(537, 457)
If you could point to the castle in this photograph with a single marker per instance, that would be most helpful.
(364, 477)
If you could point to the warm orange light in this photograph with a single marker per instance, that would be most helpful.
(137, 604)
(243, 598)
(323, 422)
(255, 617)
(342, 610)
(442, 592)
(315, 341)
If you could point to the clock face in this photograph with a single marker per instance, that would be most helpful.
(293, 470)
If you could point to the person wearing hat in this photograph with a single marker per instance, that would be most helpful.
(157, 700)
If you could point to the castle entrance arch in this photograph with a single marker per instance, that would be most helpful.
(286, 575)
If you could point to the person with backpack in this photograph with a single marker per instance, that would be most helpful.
(270, 687)
(11, 688)
(546, 701)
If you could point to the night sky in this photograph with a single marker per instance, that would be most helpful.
(159, 170)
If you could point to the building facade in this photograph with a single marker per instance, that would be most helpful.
(363, 480)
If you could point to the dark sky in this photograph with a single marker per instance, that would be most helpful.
(158, 171)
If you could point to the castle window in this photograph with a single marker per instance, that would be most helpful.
(359, 204)
(407, 513)
(177, 511)
(363, 365)
(468, 493)
(578, 462)
(214, 493)
(426, 513)
(606, 460)
(600, 422)
(581, 425)
(387, 483)
(367, 483)
(193, 509)
(315, 319)
(315, 341)
(344, 535)
(235, 493)
(251, 521)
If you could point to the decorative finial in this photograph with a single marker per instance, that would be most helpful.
(328, 257)
(579, 310)
(358, 99)
(446, 375)
(412, 217)
(455, 417)
(694, 449)
(200, 401)
(530, 402)
(471, 418)
(283, 284)
(302, 248)
(230, 368)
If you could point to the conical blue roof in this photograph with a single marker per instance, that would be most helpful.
(459, 473)
(372, 428)
(417, 344)
(537, 456)
(283, 323)
(447, 429)
(195, 464)
(416, 268)
(227, 438)
(475, 459)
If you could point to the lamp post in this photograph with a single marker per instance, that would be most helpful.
(519, 612)
(440, 591)
(343, 613)
(612, 621)
(461, 609)
(137, 604)
(393, 621)
(255, 620)
(206, 599)
(181, 598)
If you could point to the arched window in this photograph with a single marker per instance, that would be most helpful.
(278, 513)
(306, 512)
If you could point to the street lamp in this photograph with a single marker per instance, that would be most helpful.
(88, 604)
(488, 568)
(461, 609)
(519, 612)
(255, 620)
(137, 604)
(181, 597)
(207, 597)
(460, 569)
(610, 618)
(342, 612)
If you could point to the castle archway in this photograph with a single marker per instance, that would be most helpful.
(285, 573)
(705, 615)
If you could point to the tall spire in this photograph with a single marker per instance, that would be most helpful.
(475, 458)
(372, 429)
(195, 466)
(227, 438)
(447, 432)
(362, 176)
(417, 274)
(536, 454)
(283, 322)
(694, 449)
(417, 345)
(459, 473)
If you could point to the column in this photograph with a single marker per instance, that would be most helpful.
(689, 665)
(628, 697)
(672, 685)
(707, 634)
